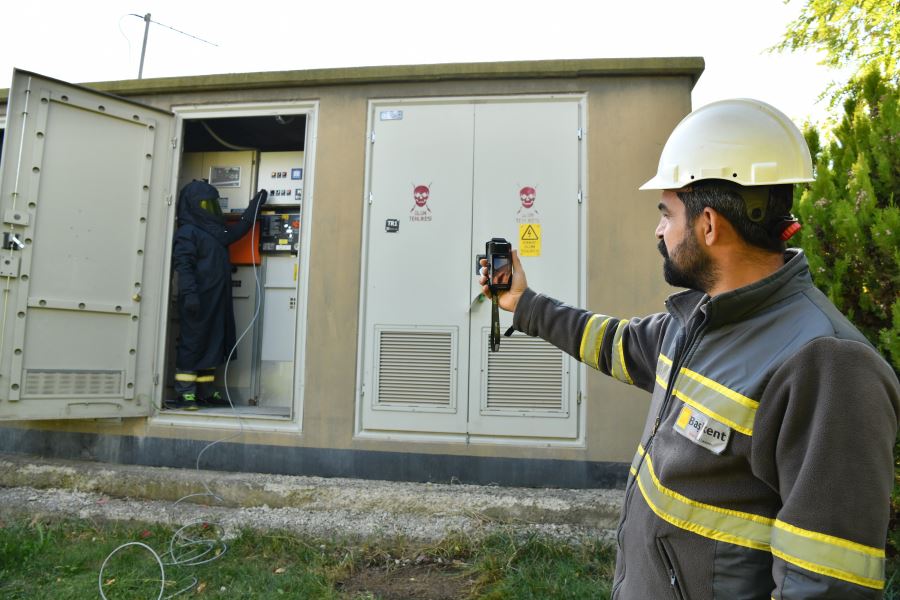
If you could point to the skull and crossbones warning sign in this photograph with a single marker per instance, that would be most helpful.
(420, 210)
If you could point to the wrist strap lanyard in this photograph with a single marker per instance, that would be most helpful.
(495, 323)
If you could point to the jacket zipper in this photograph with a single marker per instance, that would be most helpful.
(690, 338)
(669, 565)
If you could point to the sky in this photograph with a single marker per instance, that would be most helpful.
(100, 40)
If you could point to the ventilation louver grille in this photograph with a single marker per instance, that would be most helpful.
(525, 375)
(72, 384)
(415, 368)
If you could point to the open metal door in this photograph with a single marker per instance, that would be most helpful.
(84, 203)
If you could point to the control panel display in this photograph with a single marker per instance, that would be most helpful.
(279, 232)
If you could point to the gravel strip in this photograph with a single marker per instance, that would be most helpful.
(313, 506)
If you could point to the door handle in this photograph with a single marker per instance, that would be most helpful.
(477, 300)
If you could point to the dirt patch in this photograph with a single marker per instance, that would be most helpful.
(408, 582)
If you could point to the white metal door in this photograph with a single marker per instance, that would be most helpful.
(526, 190)
(419, 219)
(279, 327)
(84, 184)
(445, 177)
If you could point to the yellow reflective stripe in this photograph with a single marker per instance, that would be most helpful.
(734, 527)
(205, 378)
(829, 555)
(663, 367)
(619, 370)
(830, 539)
(721, 389)
(714, 405)
(710, 397)
(185, 377)
(591, 340)
(816, 552)
(636, 460)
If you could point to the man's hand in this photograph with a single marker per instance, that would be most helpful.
(509, 299)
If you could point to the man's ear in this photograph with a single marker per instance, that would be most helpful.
(709, 225)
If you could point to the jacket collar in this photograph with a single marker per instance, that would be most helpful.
(739, 304)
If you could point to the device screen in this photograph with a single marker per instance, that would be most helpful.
(501, 272)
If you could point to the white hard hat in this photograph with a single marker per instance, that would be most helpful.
(745, 141)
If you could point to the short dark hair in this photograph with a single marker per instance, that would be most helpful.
(725, 197)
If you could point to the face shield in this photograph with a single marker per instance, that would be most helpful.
(211, 206)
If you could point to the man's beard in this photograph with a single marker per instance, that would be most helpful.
(695, 270)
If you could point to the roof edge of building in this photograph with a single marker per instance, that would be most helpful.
(561, 68)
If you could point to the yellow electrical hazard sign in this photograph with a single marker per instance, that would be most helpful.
(529, 239)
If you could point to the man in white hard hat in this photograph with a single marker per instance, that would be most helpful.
(765, 466)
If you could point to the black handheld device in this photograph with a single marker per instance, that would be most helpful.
(498, 253)
(499, 258)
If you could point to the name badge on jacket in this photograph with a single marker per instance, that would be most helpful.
(702, 430)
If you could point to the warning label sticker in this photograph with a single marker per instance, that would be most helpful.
(529, 239)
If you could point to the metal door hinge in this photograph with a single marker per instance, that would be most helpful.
(579, 398)
(174, 141)
(169, 199)
(372, 136)
(580, 196)
(156, 379)
(371, 197)
(580, 133)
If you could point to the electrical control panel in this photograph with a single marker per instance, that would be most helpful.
(231, 172)
(279, 232)
(281, 174)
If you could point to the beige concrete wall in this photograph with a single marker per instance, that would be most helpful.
(628, 120)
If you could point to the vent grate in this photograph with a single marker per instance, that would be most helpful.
(415, 368)
(46, 383)
(526, 375)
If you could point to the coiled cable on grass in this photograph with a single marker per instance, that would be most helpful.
(162, 569)
(204, 547)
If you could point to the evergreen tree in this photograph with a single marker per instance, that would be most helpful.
(851, 212)
(849, 33)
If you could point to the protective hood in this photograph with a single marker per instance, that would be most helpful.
(198, 205)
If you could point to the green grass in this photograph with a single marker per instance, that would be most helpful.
(538, 568)
(44, 558)
(62, 560)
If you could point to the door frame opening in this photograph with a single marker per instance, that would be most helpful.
(227, 419)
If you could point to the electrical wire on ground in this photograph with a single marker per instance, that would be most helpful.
(185, 550)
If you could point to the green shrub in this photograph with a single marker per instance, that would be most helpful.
(851, 233)
(850, 213)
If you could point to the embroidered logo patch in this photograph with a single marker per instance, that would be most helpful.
(702, 430)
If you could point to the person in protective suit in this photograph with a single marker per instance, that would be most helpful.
(205, 309)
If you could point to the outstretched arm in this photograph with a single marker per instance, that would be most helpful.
(626, 350)
(248, 217)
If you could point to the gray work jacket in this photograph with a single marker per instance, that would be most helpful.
(765, 466)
